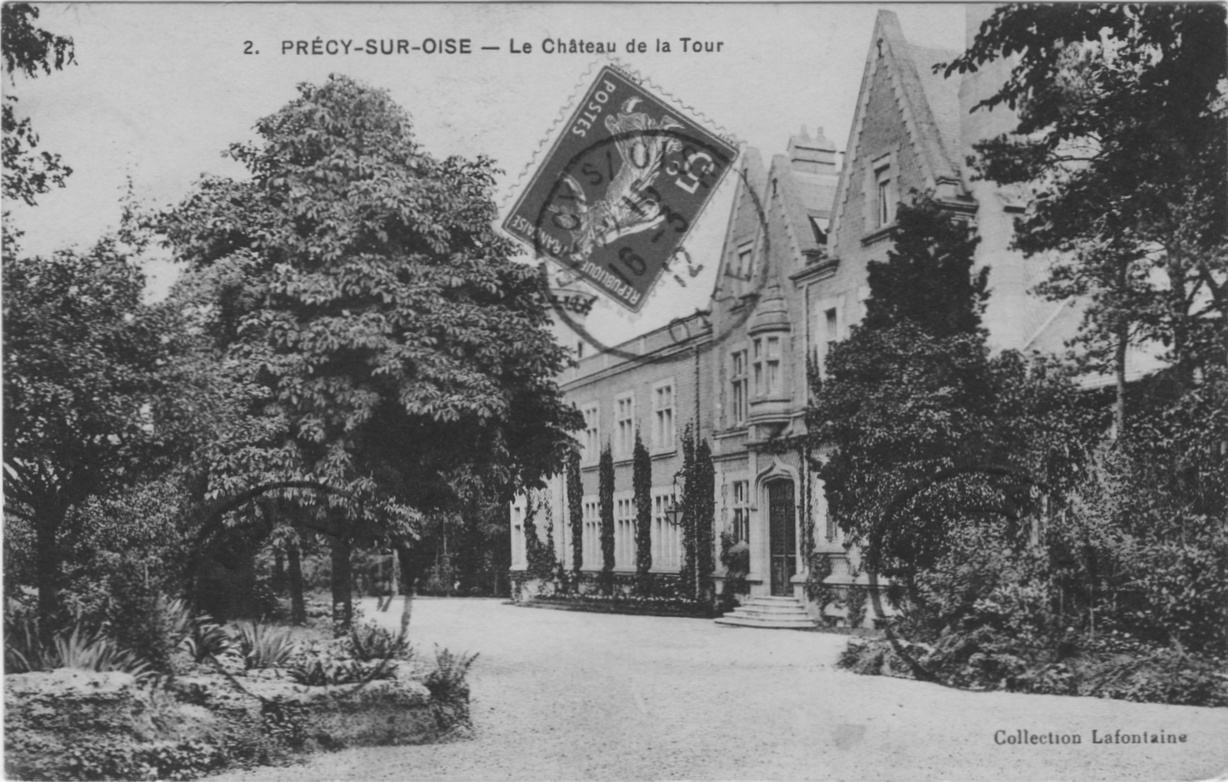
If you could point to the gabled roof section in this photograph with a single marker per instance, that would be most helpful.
(744, 222)
(798, 196)
(942, 99)
(928, 103)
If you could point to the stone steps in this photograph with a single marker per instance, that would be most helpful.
(779, 613)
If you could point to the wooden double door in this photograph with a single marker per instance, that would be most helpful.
(782, 536)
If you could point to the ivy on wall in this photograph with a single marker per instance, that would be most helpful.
(641, 482)
(704, 481)
(575, 510)
(605, 507)
(698, 515)
(541, 560)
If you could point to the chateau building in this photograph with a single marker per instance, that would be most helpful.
(791, 281)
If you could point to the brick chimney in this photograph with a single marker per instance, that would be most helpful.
(813, 155)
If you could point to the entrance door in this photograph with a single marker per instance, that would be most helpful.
(782, 536)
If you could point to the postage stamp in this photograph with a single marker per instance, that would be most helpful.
(620, 189)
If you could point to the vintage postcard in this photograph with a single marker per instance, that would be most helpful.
(615, 391)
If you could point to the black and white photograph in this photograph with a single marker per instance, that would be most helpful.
(615, 391)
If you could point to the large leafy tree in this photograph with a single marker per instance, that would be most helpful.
(82, 360)
(926, 435)
(368, 295)
(1122, 139)
(28, 50)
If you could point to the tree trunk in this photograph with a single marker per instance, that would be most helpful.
(298, 606)
(343, 597)
(48, 558)
(407, 585)
(279, 572)
(1119, 408)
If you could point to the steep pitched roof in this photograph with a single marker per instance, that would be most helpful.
(928, 103)
(800, 194)
(942, 99)
(744, 222)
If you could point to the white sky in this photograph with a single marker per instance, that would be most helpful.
(160, 90)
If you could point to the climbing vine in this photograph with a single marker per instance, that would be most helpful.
(698, 512)
(605, 507)
(687, 531)
(704, 481)
(541, 560)
(641, 482)
(575, 510)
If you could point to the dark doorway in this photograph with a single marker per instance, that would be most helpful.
(782, 535)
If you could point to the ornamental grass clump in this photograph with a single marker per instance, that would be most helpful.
(324, 665)
(370, 642)
(263, 646)
(447, 682)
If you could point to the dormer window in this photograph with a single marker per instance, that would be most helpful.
(819, 226)
(742, 265)
(884, 192)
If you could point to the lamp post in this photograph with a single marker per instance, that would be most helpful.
(674, 512)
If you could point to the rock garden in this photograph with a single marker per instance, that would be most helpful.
(82, 706)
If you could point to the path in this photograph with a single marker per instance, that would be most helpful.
(569, 695)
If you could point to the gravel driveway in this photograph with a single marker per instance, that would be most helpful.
(569, 695)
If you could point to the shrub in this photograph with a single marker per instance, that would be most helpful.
(262, 645)
(117, 759)
(88, 650)
(447, 682)
(1164, 676)
(23, 650)
(369, 641)
(205, 639)
(855, 605)
(140, 619)
(322, 665)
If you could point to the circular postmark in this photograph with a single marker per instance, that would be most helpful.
(886, 524)
(630, 222)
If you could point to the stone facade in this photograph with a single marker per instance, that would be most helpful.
(792, 280)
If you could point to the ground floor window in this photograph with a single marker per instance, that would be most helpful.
(741, 511)
(624, 532)
(591, 542)
(666, 540)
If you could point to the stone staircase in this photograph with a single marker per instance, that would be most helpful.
(781, 613)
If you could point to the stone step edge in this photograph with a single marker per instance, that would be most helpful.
(794, 625)
(773, 599)
(743, 614)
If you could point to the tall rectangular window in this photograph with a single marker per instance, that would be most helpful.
(666, 539)
(773, 365)
(766, 352)
(741, 510)
(741, 389)
(757, 355)
(884, 207)
(624, 532)
(831, 333)
(744, 261)
(624, 426)
(591, 542)
(592, 433)
(663, 417)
